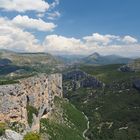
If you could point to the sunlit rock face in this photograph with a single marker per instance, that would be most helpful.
(38, 92)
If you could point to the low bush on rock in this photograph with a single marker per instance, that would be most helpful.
(32, 136)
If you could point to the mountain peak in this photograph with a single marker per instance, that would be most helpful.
(94, 55)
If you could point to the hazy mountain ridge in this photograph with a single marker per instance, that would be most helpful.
(96, 58)
(27, 63)
(28, 58)
(46, 58)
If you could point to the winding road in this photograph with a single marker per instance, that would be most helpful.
(84, 133)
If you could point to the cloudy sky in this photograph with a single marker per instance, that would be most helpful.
(71, 26)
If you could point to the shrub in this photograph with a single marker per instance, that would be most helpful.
(30, 111)
(2, 128)
(32, 136)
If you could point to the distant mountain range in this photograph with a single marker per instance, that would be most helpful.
(70, 59)
(94, 58)
(27, 63)
(25, 59)
(21, 59)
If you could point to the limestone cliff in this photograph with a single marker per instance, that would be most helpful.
(38, 92)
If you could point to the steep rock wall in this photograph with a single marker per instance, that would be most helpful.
(38, 92)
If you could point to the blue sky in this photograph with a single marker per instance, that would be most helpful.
(71, 26)
(83, 17)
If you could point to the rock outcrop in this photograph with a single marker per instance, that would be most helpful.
(79, 79)
(90, 82)
(136, 84)
(11, 135)
(126, 68)
(37, 92)
(74, 75)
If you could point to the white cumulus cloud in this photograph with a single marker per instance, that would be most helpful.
(100, 39)
(104, 44)
(14, 38)
(61, 44)
(129, 39)
(38, 24)
(24, 5)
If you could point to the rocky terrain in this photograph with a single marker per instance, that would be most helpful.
(97, 98)
(37, 93)
(80, 79)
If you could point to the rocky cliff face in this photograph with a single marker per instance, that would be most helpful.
(37, 92)
(78, 78)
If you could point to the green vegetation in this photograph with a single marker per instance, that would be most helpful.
(30, 111)
(59, 131)
(8, 69)
(32, 136)
(71, 126)
(113, 111)
(6, 82)
(3, 127)
(72, 114)
(109, 73)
